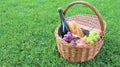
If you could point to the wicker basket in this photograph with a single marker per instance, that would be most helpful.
(89, 22)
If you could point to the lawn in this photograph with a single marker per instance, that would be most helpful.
(27, 33)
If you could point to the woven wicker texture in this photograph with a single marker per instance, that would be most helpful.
(89, 22)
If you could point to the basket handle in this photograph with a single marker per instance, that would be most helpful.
(92, 8)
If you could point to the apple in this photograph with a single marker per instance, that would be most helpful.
(81, 42)
(77, 41)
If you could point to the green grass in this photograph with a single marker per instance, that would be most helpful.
(27, 33)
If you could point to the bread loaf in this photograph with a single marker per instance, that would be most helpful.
(75, 28)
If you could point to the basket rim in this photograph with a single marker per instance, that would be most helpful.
(91, 15)
(83, 15)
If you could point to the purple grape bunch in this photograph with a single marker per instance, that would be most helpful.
(69, 38)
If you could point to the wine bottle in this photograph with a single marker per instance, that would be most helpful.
(64, 25)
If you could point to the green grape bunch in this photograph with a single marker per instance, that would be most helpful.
(92, 37)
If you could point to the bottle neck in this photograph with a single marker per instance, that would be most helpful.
(62, 17)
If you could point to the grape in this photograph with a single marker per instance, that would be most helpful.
(88, 40)
(95, 39)
(69, 33)
(91, 35)
(91, 42)
(68, 37)
(93, 32)
(72, 41)
(85, 38)
(65, 39)
(97, 36)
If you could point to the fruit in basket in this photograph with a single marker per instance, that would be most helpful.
(85, 38)
(92, 33)
(68, 37)
(75, 28)
(81, 42)
(73, 41)
(97, 36)
(88, 40)
(92, 37)
(92, 42)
